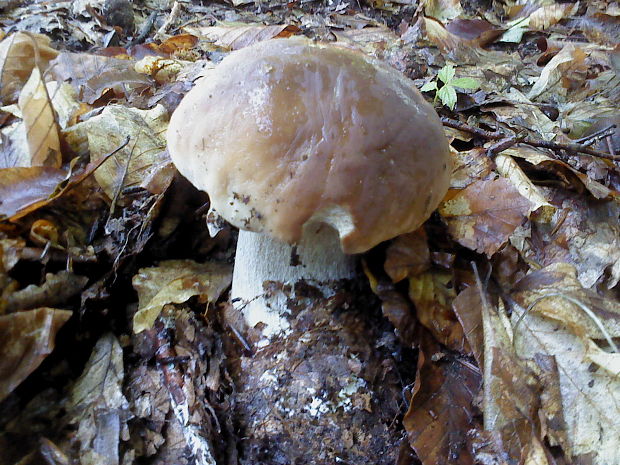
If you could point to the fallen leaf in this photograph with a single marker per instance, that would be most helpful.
(97, 404)
(441, 412)
(40, 122)
(442, 10)
(432, 292)
(407, 255)
(548, 15)
(176, 281)
(18, 57)
(138, 159)
(237, 35)
(467, 307)
(26, 338)
(590, 395)
(483, 216)
(508, 168)
(469, 166)
(92, 75)
(56, 290)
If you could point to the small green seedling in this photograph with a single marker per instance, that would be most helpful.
(447, 93)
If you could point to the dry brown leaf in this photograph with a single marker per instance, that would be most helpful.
(18, 57)
(470, 166)
(570, 59)
(97, 404)
(92, 75)
(55, 291)
(26, 188)
(139, 159)
(458, 48)
(407, 255)
(26, 338)
(548, 15)
(442, 10)
(479, 31)
(40, 122)
(432, 292)
(484, 215)
(590, 394)
(441, 413)
(176, 281)
(468, 308)
(238, 35)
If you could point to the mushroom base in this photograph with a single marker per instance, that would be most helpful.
(264, 267)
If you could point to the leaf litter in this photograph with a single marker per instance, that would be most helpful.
(503, 307)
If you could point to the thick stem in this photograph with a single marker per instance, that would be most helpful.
(262, 263)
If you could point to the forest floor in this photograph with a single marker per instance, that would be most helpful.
(495, 326)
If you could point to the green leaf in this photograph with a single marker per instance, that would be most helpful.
(447, 94)
(515, 33)
(446, 74)
(465, 83)
(431, 85)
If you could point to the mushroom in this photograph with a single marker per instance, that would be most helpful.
(315, 152)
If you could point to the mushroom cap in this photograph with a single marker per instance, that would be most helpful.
(288, 134)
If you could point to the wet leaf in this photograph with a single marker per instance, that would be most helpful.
(176, 281)
(26, 338)
(483, 215)
(18, 57)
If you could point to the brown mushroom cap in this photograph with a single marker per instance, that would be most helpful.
(288, 133)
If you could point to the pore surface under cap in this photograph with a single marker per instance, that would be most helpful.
(289, 132)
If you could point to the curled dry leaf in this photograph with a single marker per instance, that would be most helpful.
(26, 338)
(478, 31)
(441, 412)
(483, 216)
(18, 57)
(237, 36)
(442, 10)
(432, 292)
(590, 394)
(40, 122)
(176, 281)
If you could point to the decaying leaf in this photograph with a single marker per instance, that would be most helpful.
(98, 406)
(176, 281)
(55, 291)
(26, 338)
(443, 10)
(432, 292)
(507, 167)
(92, 75)
(138, 159)
(467, 307)
(483, 216)
(19, 53)
(40, 122)
(590, 394)
(441, 410)
(407, 255)
(470, 166)
(548, 15)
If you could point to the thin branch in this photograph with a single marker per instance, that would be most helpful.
(498, 135)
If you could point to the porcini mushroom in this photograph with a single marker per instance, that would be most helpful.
(308, 148)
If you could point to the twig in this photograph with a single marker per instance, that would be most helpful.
(145, 29)
(596, 136)
(498, 135)
(452, 123)
(174, 15)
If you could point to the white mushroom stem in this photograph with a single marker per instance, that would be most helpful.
(318, 260)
